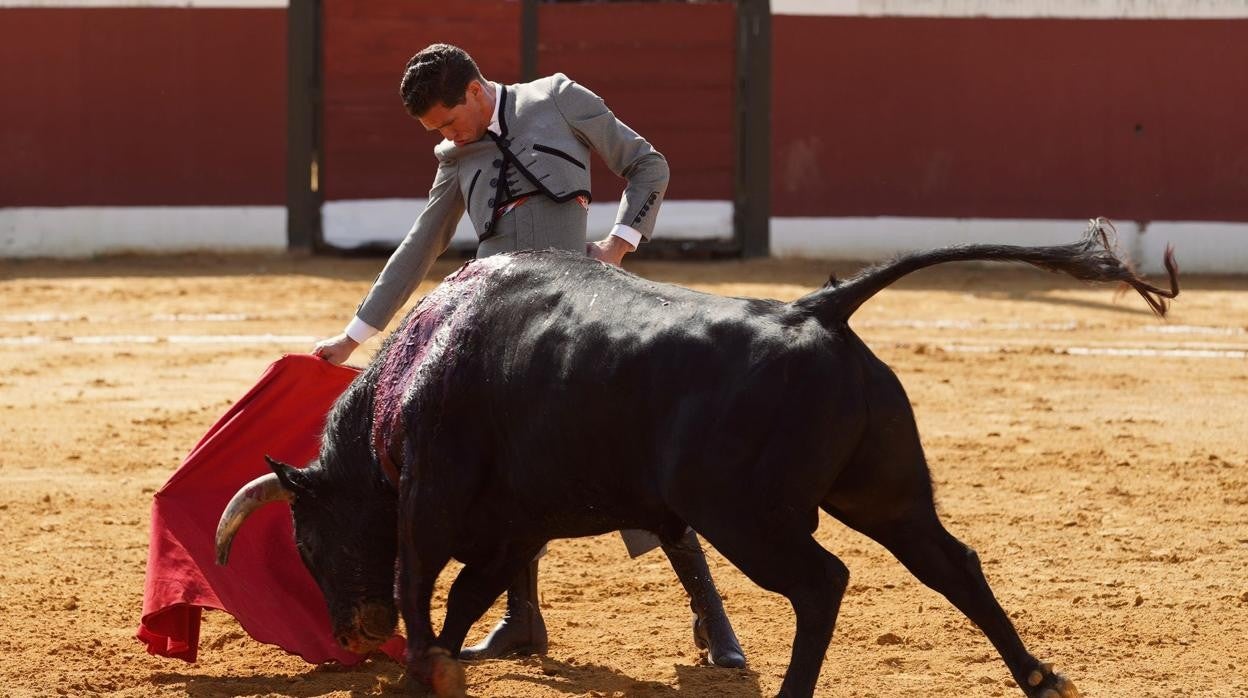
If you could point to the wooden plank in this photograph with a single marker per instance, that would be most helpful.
(1039, 118)
(373, 149)
(143, 106)
(671, 82)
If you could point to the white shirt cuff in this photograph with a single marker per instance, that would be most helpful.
(359, 330)
(627, 234)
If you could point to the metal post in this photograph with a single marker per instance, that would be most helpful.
(303, 112)
(528, 40)
(752, 196)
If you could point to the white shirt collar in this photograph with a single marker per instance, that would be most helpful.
(498, 97)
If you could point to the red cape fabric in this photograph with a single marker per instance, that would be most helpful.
(266, 587)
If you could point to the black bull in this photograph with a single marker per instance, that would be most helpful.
(495, 410)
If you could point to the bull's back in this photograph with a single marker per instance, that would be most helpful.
(617, 389)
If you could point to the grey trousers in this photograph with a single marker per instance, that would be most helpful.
(539, 224)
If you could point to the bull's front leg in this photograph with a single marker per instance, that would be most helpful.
(421, 560)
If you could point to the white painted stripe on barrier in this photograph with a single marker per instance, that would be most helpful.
(1219, 248)
(678, 220)
(1023, 9)
(352, 224)
(884, 237)
(68, 232)
(84, 231)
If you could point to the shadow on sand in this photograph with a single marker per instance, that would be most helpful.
(376, 677)
(368, 679)
(593, 679)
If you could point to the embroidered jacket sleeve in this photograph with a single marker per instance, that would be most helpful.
(624, 151)
(403, 272)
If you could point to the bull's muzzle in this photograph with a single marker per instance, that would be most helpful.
(370, 626)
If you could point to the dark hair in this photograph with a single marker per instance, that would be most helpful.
(439, 74)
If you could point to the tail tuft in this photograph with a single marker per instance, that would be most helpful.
(1093, 258)
(1109, 267)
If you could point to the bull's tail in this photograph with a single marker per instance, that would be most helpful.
(1090, 259)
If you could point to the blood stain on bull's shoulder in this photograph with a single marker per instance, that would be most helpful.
(421, 339)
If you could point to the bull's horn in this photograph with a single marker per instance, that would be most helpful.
(255, 494)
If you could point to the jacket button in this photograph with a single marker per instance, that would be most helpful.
(494, 182)
(498, 163)
(506, 142)
(490, 202)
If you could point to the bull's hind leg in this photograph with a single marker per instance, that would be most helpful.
(950, 567)
(785, 559)
(877, 505)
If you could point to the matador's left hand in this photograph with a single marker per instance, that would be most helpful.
(611, 250)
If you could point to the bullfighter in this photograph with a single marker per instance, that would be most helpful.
(516, 158)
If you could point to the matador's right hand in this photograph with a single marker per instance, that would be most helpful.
(336, 349)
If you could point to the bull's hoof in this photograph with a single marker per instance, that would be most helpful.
(446, 676)
(714, 634)
(1043, 682)
(437, 673)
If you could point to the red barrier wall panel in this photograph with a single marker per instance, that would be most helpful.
(666, 70)
(1134, 119)
(372, 148)
(142, 106)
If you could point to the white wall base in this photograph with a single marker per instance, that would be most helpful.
(1212, 248)
(1201, 247)
(82, 231)
(352, 224)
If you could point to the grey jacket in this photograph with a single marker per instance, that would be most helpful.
(548, 128)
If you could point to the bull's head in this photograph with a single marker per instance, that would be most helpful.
(345, 537)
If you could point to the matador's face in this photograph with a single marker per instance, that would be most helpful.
(463, 123)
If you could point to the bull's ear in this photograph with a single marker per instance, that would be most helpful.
(293, 480)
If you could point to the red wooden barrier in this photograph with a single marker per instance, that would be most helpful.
(1034, 118)
(372, 148)
(142, 106)
(666, 69)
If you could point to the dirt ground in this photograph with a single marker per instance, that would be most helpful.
(1096, 457)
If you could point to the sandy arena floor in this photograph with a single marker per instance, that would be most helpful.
(1096, 457)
